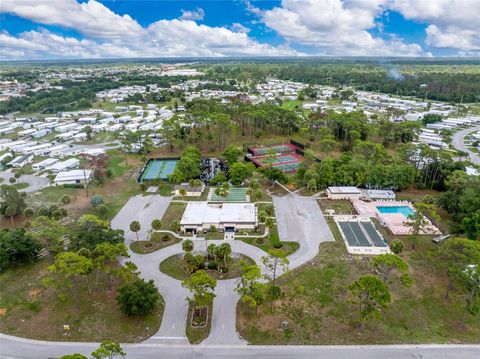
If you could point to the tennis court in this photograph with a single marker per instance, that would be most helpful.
(234, 195)
(262, 151)
(158, 169)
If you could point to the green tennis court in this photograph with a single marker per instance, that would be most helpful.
(158, 169)
(234, 195)
(272, 149)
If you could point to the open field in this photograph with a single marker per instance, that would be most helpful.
(29, 308)
(318, 310)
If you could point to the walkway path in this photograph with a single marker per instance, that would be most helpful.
(457, 142)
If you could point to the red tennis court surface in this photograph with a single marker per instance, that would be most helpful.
(283, 157)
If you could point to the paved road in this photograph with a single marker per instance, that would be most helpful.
(18, 348)
(457, 142)
(299, 219)
(35, 183)
(143, 209)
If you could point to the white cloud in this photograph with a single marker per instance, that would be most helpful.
(452, 23)
(237, 27)
(164, 38)
(336, 27)
(197, 14)
(90, 18)
(108, 35)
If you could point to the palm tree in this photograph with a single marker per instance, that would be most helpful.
(135, 227)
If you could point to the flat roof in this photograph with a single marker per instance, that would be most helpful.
(73, 175)
(344, 189)
(202, 212)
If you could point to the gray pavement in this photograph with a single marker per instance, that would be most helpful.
(35, 183)
(143, 209)
(457, 142)
(299, 219)
(19, 348)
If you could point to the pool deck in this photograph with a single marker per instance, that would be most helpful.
(394, 221)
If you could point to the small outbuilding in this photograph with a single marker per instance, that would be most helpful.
(343, 192)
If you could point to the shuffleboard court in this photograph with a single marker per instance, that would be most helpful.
(158, 169)
(234, 195)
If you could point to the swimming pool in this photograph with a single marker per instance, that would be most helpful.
(405, 210)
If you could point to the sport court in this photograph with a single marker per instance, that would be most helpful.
(283, 157)
(234, 195)
(262, 151)
(360, 236)
(158, 169)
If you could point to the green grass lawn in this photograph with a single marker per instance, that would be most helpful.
(317, 304)
(117, 166)
(20, 185)
(196, 335)
(268, 243)
(340, 206)
(32, 309)
(173, 266)
(173, 213)
(157, 241)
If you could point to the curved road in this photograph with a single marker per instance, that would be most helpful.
(457, 142)
(35, 183)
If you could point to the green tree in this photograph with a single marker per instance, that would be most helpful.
(384, 264)
(276, 260)
(73, 356)
(16, 246)
(250, 287)
(187, 245)
(88, 130)
(91, 230)
(49, 233)
(12, 203)
(202, 286)
(396, 246)
(71, 266)
(108, 350)
(231, 154)
(238, 172)
(138, 297)
(274, 293)
(224, 251)
(105, 258)
(135, 227)
(418, 220)
(371, 295)
(156, 224)
(470, 278)
(471, 225)
(218, 178)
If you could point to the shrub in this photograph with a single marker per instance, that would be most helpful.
(65, 199)
(72, 185)
(28, 212)
(212, 265)
(138, 298)
(12, 180)
(102, 209)
(96, 200)
(396, 246)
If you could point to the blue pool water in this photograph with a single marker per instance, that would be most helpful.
(405, 210)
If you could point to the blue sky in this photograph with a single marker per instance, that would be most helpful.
(57, 29)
